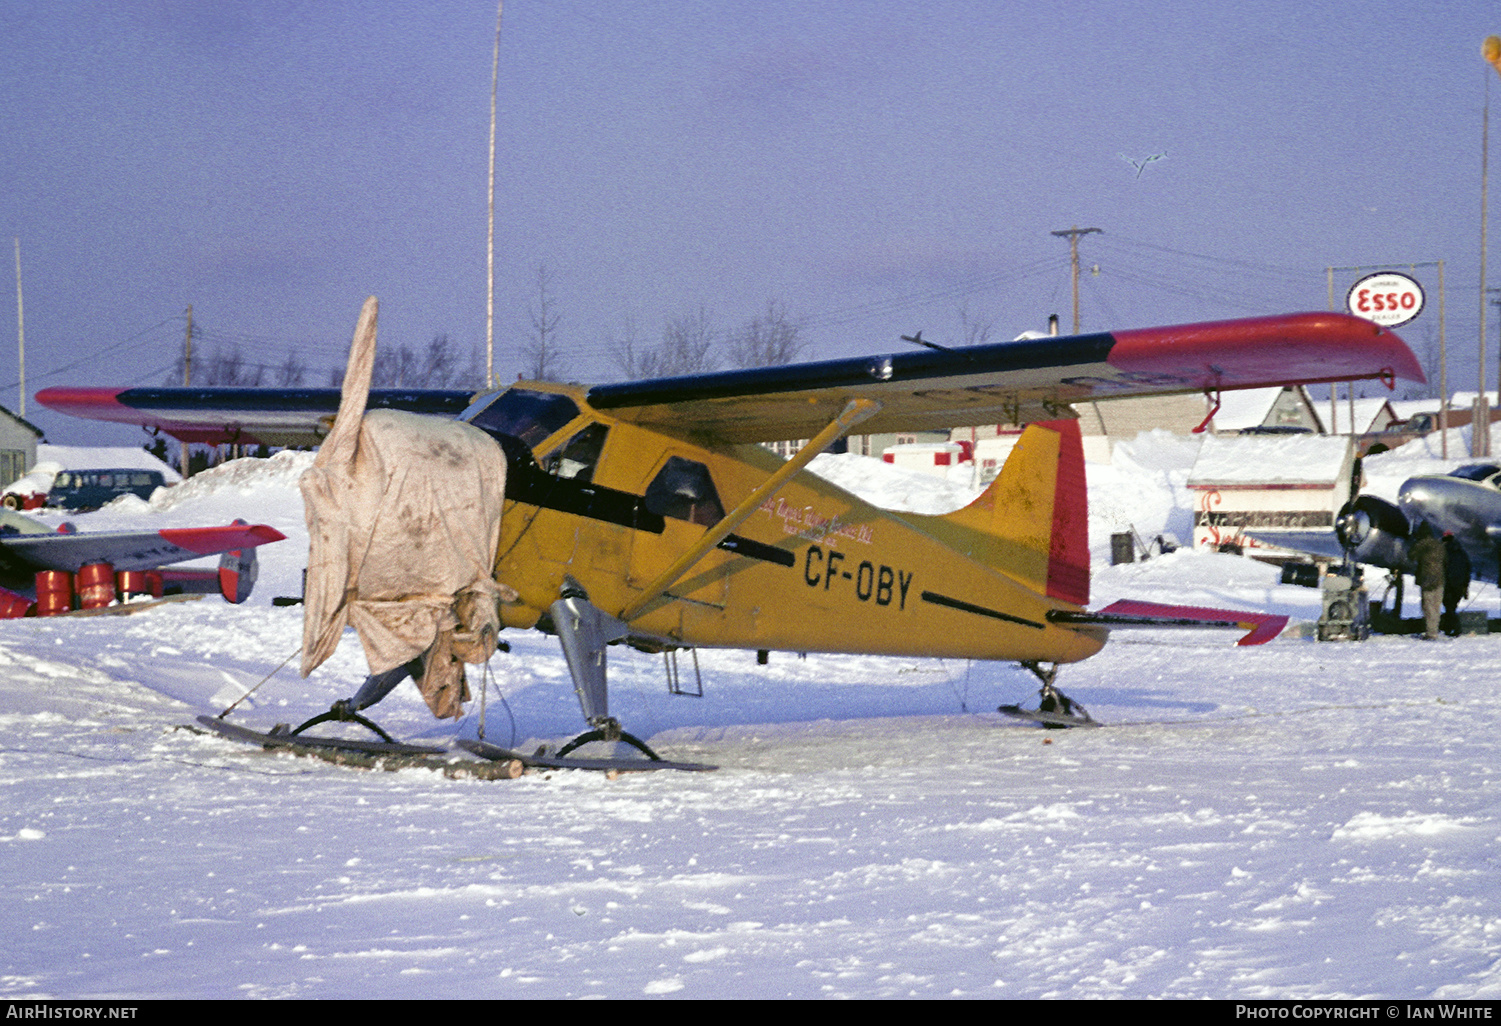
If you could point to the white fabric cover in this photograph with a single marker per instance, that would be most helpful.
(403, 515)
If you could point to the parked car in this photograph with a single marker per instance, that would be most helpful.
(30, 490)
(80, 490)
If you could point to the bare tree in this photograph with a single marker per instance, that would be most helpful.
(224, 367)
(291, 372)
(441, 366)
(627, 351)
(976, 332)
(544, 361)
(769, 339)
(437, 366)
(687, 345)
(395, 367)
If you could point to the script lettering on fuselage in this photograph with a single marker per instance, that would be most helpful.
(807, 523)
(872, 582)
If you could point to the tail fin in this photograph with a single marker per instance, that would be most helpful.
(1032, 523)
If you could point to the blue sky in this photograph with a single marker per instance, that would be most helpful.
(876, 167)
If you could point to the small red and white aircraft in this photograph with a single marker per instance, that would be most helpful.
(46, 572)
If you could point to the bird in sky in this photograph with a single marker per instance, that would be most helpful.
(1141, 165)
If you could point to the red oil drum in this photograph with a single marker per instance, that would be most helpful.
(130, 583)
(96, 585)
(12, 605)
(54, 592)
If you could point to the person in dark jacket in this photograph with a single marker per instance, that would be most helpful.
(1428, 559)
(1456, 583)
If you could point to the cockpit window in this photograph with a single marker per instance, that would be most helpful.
(524, 414)
(683, 490)
(576, 459)
(1476, 471)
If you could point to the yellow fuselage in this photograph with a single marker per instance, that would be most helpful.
(812, 569)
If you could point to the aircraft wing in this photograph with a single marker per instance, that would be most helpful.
(922, 389)
(253, 416)
(1013, 382)
(1324, 544)
(133, 550)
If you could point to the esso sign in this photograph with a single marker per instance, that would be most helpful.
(1388, 299)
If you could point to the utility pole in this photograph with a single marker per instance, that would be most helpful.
(490, 254)
(1480, 434)
(187, 379)
(1072, 234)
(20, 330)
(1480, 441)
(187, 351)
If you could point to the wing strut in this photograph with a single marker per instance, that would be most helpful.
(1214, 400)
(855, 412)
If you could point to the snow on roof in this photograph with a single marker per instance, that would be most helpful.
(1367, 412)
(1409, 408)
(1245, 408)
(91, 457)
(1264, 459)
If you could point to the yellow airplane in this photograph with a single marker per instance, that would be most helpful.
(648, 513)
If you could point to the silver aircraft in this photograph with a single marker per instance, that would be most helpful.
(1465, 502)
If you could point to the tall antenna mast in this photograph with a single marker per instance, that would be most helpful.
(490, 294)
(20, 329)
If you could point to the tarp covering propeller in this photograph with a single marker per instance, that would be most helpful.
(403, 514)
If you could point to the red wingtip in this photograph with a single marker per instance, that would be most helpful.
(206, 541)
(1254, 351)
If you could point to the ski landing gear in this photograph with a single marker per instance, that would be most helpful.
(585, 630)
(1055, 710)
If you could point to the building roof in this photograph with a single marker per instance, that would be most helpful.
(23, 422)
(1270, 459)
(1370, 415)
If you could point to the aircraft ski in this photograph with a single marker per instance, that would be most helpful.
(485, 750)
(1051, 718)
(281, 736)
(368, 754)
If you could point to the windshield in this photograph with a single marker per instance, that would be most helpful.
(1476, 471)
(524, 414)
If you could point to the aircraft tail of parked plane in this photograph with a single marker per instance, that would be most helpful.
(1031, 523)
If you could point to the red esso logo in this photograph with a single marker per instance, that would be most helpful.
(1388, 299)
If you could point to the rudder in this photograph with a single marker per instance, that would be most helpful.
(1033, 520)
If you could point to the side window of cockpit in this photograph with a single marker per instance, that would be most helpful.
(524, 414)
(683, 490)
(576, 460)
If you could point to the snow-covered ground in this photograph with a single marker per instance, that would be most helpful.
(1294, 820)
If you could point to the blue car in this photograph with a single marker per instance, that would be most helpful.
(80, 490)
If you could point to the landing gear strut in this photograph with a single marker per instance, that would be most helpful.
(1055, 710)
(376, 687)
(585, 630)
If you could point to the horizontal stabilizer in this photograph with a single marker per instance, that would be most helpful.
(1131, 613)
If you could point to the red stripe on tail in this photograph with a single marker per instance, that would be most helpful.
(1068, 546)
